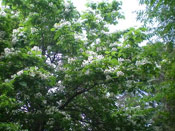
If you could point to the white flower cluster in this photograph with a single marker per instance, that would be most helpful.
(80, 37)
(114, 49)
(51, 4)
(129, 83)
(113, 44)
(52, 109)
(2, 13)
(68, 77)
(92, 57)
(10, 51)
(16, 33)
(7, 80)
(71, 60)
(110, 70)
(36, 51)
(32, 71)
(36, 48)
(91, 53)
(61, 24)
(121, 59)
(38, 95)
(60, 86)
(33, 30)
(100, 49)
(108, 77)
(60, 67)
(120, 73)
(142, 62)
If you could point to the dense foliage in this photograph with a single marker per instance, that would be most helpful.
(162, 14)
(64, 70)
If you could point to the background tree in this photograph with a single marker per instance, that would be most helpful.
(63, 70)
(162, 14)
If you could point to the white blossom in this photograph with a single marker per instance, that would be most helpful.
(113, 45)
(49, 47)
(97, 41)
(20, 72)
(51, 4)
(7, 80)
(120, 73)
(33, 30)
(17, 32)
(10, 51)
(108, 77)
(7, 51)
(100, 57)
(121, 59)
(38, 94)
(45, 101)
(114, 49)
(99, 49)
(71, 60)
(32, 5)
(61, 24)
(14, 76)
(110, 70)
(36, 48)
(142, 62)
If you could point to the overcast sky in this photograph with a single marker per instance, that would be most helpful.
(128, 8)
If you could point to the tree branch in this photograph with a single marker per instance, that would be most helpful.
(70, 99)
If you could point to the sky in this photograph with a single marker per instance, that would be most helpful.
(128, 8)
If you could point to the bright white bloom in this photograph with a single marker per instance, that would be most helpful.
(13, 76)
(32, 71)
(51, 4)
(120, 45)
(121, 59)
(100, 57)
(20, 72)
(10, 51)
(114, 49)
(61, 24)
(85, 62)
(31, 5)
(104, 48)
(17, 32)
(108, 77)
(7, 51)
(49, 47)
(36, 48)
(107, 94)
(91, 53)
(33, 30)
(98, 49)
(7, 80)
(120, 73)
(113, 45)
(142, 62)
(97, 41)
(110, 70)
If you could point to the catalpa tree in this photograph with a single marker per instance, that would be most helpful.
(64, 70)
